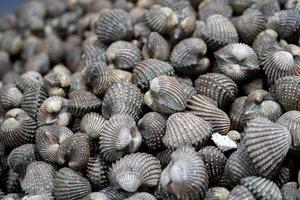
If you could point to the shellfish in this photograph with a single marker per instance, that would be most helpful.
(156, 47)
(92, 124)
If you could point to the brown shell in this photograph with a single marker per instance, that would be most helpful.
(93, 51)
(141, 196)
(216, 193)
(236, 113)
(149, 69)
(92, 124)
(156, 47)
(146, 172)
(96, 172)
(29, 79)
(210, 7)
(10, 97)
(240, 193)
(289, 191)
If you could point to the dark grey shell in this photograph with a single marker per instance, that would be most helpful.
(117, 75)
(210, 7)
(236, 113)
(141, 196)
(164, 157)
(240, 193)
(289, 191)
(267, 7)
(12, 183)
(92, 124)
(42, 196)
(283, 175)
(93, 51)
(156, 47)
(96, 172)
(257, 83)
(216, 193)
(107, 193)
(11, 96)
(239, 6)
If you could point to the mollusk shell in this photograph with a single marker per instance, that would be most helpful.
(93, 51)
(216, 193)
(240, 193)
(96, 172)
(108, 193)
(236, 113)
(142, 196)
(210, 7)
(156, 47)
(289, 191)
(92, 124)
(267, 7)
(10, 96)
(239, 6)
(28, 80)
(117, 75)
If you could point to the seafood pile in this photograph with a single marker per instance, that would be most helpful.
(150, 99)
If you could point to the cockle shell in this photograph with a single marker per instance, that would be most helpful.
(13, 181)
(236, 113)
(240, 193)
(77, 83)
(257, 83)
(164, 157)
(186, 129)
(135, 170)
(117, 75)
(108, 193)
(142, 196)
(96, 172)
(92, 124)
(283, 175)
(210, 7)
(14, 196)
(11, 96)
(156, 47)
(186, 175)
(216, 193)
(119, 136)
(44, 196)
(289, 191)
(93, 51)
(69, 184)
(28, 80)
(11, 42)
(239, 6)
(267, 7)
(290, 4)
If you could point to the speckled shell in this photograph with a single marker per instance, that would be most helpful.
(93, 51)
(289, 191)
(146, 172)
(210, 7)
(12, 196)
(283, 175)
(122, 98)
(123, 55)
(166, 95)
(96, 172)
(97, 76)
(75, 151)
(152, 127)
(236, 113)
(108, 193)
(117, 75)
(156, 47)
(39, 178)
(92, 124)
(186, 129)
(142, 196)
(69, 184)
(287, 92)
(267, 7)
(239, 6)
(28, 80)
(119, 136)
(186, 175)
(113, 25)
(218, 32)
(82, 102)
(187, 56)
(17, 128)
(214, 161)
(238, 61)
(149, 69)
(267, 144)
(216, 193)
(11, 96)
(240, 193)
(206, 108)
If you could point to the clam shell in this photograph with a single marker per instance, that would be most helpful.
(12, 183)
(96, 172)
(17, 128)
(156, 47)
(206, 108)
(44, 196)
(74, 151)
(186, 175)
(239, 6)
(218, 32)
(52, 46)
(29, 79)
(267, 7)
(11, 42)
(216, 193)
(236, 113)
(289, 191)
(108, 193)
(282, 176)
(113, 25)
(119, 136)
(218, 87)
(238, 61)
(12, 196)
(210, 7)
(92, 124)
(123, 55)
(122, 98)
(142, 196)
(186, 129)
(164, 157)
(240, 193)
(149, 69)
(117, 75)
(69, 184)
(135, 170)
(93, 51)
(188, 56)
(166, 95)
(82, 102)
(11, 96)
(152, 127)
(39, 178)
(267, 144)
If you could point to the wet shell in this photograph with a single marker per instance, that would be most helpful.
(164, 157)
(216, 193)
(156, 47)
(287, 92)
(236, 113)
(92, 124)
(186, 175)
(166, 95)
(69, 184)
(39, 178)
(206, 108)
(149, 69)
(135, 170)
(108, 193)
(218, 87)
(113, 25)
(188, 57)
(49, 138)
(122, 98)
(210, 7)
(239, 6)
(152, 127)
(75, 151)
(214, 161)
(93, 51)
(218, 32)
(123, 55)
(117, 75)
(267, 144)
(17, 128)
(11, 96)
(289, 191)
(240, 193)
(82, 102)
(96, 172)
(119, 136)
(142, 196)
(186, 129)
(267, 7)
(29, 79)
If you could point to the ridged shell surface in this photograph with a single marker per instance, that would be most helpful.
(240, 193)
(216, 193)
(164, 157)
(42, 196)
(96, 172)
(93, 50)
(156, 47)
(236, 113)
(10, 96)
(289, 191)
(117, 75)
(239, 6)
(267, 7)
(29, 79)
(92, 124)
(108, 193)
(142, 196)
(210, 7)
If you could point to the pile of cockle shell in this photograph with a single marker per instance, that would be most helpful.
(150, 99)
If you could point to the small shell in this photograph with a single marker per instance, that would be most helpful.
(123, 55)
(44, 196)
(49, 138)
(188, 56)
(77, 83)
(186, 175)
(82, 102)
(17, 128)
(29, 79)
(164, 157)
(92, 124)
(289, 191)
(96, 172)
(69, 184)
(108, 193)
(186, 129)
(122, 98)
(135, 170)
(236, 113)
(93, 51)
(214, 161)
(149, 69)
(152, 127)
(240, 193)
(11, 42)
(218, 87)
(156, 47)
(210, 7)
(239, 6)
(141, 196)
(117, 75)
(216, 193)
(267, 144)
(118, 137)
(39, 178)
(113, 25)
(206, 108)
(218, 32)
(11, 96)
(267, 7)
(74, 151)
(166, 95)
